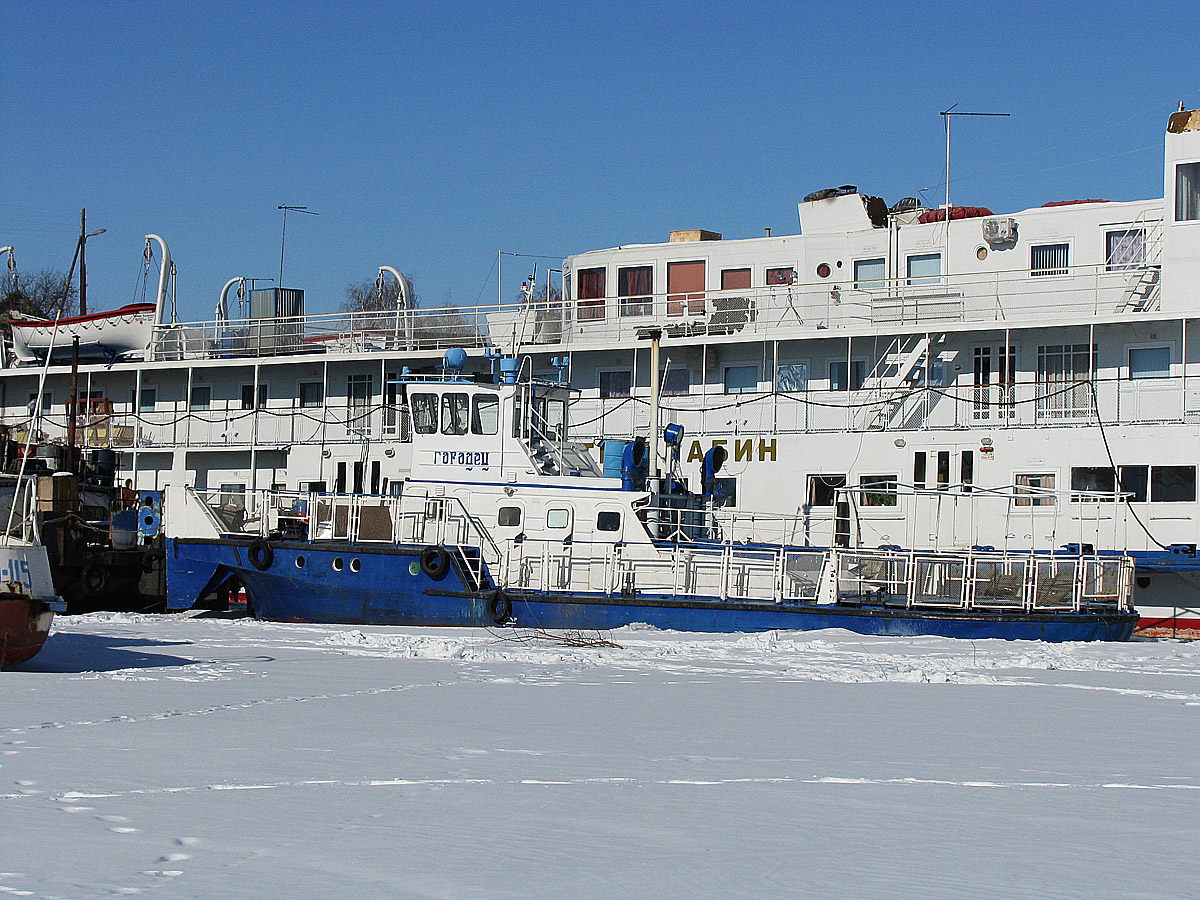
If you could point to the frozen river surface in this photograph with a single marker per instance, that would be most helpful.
(199, 757)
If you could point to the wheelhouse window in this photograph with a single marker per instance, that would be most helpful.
(823, 489)
(485, 414)
(616, 383)
(870, 274)
(925, 268)
(424, 413)
(1125, 249)
(591, 294)
(635, 289)
(1034, 489)
(877, 490)
(782, 275)
(685, 285)
(312, 395)
(1187, 192)
(201, 398)
(1172, 484)
(741, 379)
(455, 413)
(1149, 362)
(1049, 259)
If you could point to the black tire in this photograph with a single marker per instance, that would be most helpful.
(94, 580)
(435, 562)
(260, 554)
(499, 608)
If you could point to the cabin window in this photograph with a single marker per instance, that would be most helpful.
(943, 470)
(1149, 362)
(201, 398)
(735, 279)
(1172, 484)
(725, 492)
(147, 399)
(966, 468)
(315, 487)
(920, 461)
(47, 405)
(1187, 192)
(925, 268)
(1034, 489)
(1062, 375)
(676, 382)
(1135, 481)
(312, 395)
(792, 377)
(870, 274)
(508, 516)
(233, 496)
(635, 287)
(557, 519)
(485, 414)
(616, 383)
(424, 413)
(1049, 259)
(685, 284)
(1086, 480)
(608, 520)
(248, 401)
(823, 489)
(838, 380)
(1125, 249)
(781, 275)
(877, 490)
(741, 379)
(591, 294)
(455, 413)
(339, 482)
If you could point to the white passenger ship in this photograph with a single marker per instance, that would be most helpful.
(886, 377)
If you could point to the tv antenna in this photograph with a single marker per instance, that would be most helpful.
(283, 237)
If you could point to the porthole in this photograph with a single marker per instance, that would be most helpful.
(299, 562)
(337, 564)
(1143, 581)
(355, 565)
(981, 253)
(823, 270)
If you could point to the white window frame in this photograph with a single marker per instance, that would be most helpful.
(1169, 346)
(870, 284)
(741, 390)
(924, 280)
(1111, 268)
(1062, 271)
(600, 373)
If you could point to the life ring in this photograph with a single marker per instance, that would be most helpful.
(435, 562)
(499, 608)
(93, 580)
(260, 554)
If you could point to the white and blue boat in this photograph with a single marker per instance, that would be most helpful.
(506, 521)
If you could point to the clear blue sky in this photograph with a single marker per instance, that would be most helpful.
(430, 135)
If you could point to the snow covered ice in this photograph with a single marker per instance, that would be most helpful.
(193, 756)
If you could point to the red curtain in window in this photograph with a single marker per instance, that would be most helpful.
(591, 293)
(685, 284)
(735, 279)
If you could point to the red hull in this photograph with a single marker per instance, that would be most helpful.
(24, 627)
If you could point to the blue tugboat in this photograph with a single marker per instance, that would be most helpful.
(507, 522)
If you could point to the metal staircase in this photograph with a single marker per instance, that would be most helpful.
(891, 381)
(1142, 292)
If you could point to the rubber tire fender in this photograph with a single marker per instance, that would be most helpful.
(499, 608)
(94, 580)
(261, 554)
(435, 562)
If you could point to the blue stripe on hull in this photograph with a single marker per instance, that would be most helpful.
(387, 591)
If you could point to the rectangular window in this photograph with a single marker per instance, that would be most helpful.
(725, 492)
(943, 470)
(781, 276)
(455, 413)
(870, 274)
(837, 375)
(316, 487)
(677, 382)
(741, 379)
(877, 490)
(1187, 192)
(920, 461)
(618, 383)
(1135, 480)
(1149, 362)
(424, 413)
(248, 396)
(312, 394)
(201, 398)
(1125, 249)
(1049, 259)
(1172, 484)
(608, 521)
(685, 285)
(792, 377)
(735, 279)
(47, 405)
(485, 414)
(1035, 489)
(233, 496)
(635, 287)
(925, 268)
(967, 470)
(591, 294)
(823, 489)
(1063, 373)
(148, 398)
(339, 483)
(1097, 480)
(360, 389)
(376, 476)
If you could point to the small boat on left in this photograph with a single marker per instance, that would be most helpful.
(27, 601)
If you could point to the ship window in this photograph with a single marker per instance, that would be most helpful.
(1125, 249)
(1149, 362)
(1172, 484)
(424, 413)
(616, 383)
(783, 275)
(920, 461)
(1035, 489)
(1187, 192)
(685, 277)
(455, 413)
(725, 492)
(735, 279)
(147, 399)
(1134, 481)
(925, 268)
(635, 285)
(201, 398)
(792, 377)
(608, 521)
(248, 396)
(676, 382)
(485, 418)
(233, 496)
(47, 397)
(558, 519)
(1049, 259)
(870, 274)
(877, 490)
(823, 489)
(1099, 480)
(837, 375)
(312, 394)
(591, 294)
(741, 379)
(508, 516)
(943, 469)
(967, 470)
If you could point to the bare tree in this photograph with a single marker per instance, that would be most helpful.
(44, 293)
(372, 296)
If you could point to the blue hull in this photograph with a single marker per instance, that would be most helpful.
(386, 586)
